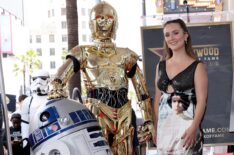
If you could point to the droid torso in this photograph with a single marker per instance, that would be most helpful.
(105, 72)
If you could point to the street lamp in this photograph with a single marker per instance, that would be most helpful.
(185, 2)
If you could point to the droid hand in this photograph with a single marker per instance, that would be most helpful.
(145, 132)
(56, 90)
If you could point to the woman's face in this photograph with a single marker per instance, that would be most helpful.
(175, 37)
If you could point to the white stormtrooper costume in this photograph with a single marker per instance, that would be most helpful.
(39, 89)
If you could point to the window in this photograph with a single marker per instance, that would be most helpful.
(83, 25)
(52, 12)
(49, 13)
(63, 11)
(52, 65)
(51, 38)
(52, 51)
(64, 38)
(84, 38)
(40, 67)
(90, 39)
(83, 11)
(64, 24)
(30, 38)
(39, 53)
(89, 10)
(38, 39)
(64, 49)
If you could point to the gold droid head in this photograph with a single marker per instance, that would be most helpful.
(103, 21)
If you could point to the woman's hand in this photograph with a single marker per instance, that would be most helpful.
(189, 137)
(5, 150)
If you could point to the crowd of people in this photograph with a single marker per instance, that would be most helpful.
(16, 132)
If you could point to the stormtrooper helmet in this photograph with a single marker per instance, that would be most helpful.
(40, 80)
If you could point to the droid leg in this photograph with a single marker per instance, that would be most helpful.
(116, 122)
(123, 140)
(123, 143)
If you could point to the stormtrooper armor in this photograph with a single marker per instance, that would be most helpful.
(39, 89)
(65, 127)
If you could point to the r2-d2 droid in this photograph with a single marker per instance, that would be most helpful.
(65, 127)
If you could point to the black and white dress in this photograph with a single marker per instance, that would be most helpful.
(172, 125)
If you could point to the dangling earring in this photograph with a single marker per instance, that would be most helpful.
(185, 42)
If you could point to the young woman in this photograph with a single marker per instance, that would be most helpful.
(182, 74)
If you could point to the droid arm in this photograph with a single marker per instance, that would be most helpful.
(144, 100)
(146, 130)
(64, 73)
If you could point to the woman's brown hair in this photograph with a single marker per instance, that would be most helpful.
(188, 43)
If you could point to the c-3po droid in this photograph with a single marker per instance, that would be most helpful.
(106, 70)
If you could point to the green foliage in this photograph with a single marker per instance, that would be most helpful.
(27, 63)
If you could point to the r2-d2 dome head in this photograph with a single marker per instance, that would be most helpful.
(40, 80)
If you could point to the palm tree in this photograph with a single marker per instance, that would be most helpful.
(72, 29)
(27, 63)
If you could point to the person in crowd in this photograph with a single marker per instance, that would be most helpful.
(181, 73)
(3, 142)
(15, 135)
(107, 70)
(20, 103)
(18, 111)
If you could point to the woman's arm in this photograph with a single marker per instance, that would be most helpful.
(201, 89)
(156, 103)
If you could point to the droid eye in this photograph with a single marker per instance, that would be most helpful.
(98, 16)
(45, 116)
(110, 17)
